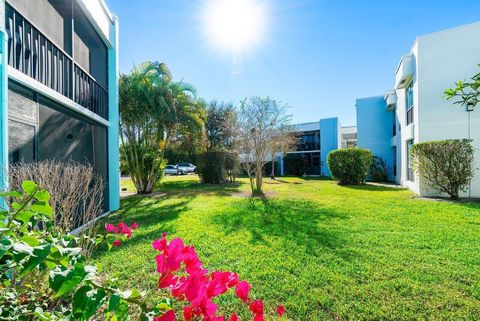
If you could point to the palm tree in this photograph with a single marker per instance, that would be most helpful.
(152, 109)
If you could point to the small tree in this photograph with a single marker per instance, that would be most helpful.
(350, 166)
(259, 122)
(285, 140)
(220, 127)
(446, 166)
(466, 92)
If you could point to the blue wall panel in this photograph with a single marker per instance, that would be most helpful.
(329, 131)
(375, 129)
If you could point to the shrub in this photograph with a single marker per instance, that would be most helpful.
(446, 166)
(294, 165)
(217, 167)
(350, 166)
(378, 170)
(32, 252)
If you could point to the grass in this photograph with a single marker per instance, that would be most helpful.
(325, 251)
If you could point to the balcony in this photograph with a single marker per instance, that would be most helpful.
(405, 71)
(35, 55)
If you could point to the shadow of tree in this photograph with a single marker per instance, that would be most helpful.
(374, 188)
(300, 222)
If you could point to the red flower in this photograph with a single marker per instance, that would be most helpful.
(195, 290)
(234, 317)
(160, 244)
(134, 226)
(188, 313)
(258, 317)
(168, 316)
(256, 307)
(110, 228)
(117, 243)
(242, 290)
(280, 310)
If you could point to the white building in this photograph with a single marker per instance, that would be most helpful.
(415, 110)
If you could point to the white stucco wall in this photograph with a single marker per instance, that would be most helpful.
(444, 58)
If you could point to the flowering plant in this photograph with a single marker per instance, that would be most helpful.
(30, 250)
(183, 274)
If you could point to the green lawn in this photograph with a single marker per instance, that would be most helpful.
(325, 251)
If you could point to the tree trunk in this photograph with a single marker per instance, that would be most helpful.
(272, 175)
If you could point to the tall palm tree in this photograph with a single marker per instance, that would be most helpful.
(152, 109)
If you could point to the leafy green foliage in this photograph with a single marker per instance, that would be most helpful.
(446, 166)
(465, 92)
(169, 110)
(216, 167)
(31, 251)
(350, 166)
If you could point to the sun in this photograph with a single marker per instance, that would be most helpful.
(235, 25)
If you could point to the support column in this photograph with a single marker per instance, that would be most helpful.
(113, 129)
(3, 113)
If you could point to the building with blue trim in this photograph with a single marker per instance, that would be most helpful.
(415, 109)
(315, 141)
(59, 86)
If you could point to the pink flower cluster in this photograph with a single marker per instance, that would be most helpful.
(182, 273)
(120, 229)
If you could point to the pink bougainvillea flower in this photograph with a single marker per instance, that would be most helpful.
(280, 310)
(217, 318)
(110, 228)
(242, 290)
(190, 258)
(258, 317)
(160, 244)
(234, 317)
(217, 284)
(168, 281)
(232, 279)
(134, 226)
(117, 243)
(256, 307)
(174, 254)
(208, 308)
(195, 289)
(188, 313)
(168, 316)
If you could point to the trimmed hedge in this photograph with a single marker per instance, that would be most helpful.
(446, 165)
(217, 167)
(350, 166)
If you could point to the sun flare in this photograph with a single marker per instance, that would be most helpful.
(235, 25)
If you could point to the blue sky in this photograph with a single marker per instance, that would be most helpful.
(317, 56)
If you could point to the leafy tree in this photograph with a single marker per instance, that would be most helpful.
(259, 122)
(466, 92)
(285, 140)
(220, 127)
(446, 166)
(153, 111)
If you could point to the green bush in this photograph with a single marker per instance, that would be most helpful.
(378, 170)
(217, 167)
(350, 166)
(294, 165)
(446, 166)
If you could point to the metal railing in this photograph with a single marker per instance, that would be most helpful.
(32, 53)
(410, 115)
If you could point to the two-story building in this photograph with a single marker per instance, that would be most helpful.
(415, 109)
(316, 140)
(58, 86)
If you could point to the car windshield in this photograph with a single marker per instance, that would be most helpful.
(183, 164)
(170, 167)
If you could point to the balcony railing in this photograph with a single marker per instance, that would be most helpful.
(410, 116)
(32, 53)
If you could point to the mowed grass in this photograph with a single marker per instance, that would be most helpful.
(324, 251)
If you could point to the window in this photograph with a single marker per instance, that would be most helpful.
(409, 103)
(410, 174)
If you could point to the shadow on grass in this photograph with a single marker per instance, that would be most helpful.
(301, 222)
(374, 188)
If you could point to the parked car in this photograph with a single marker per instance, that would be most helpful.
(187, 168)
(173, 170)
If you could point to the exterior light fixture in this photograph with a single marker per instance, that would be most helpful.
(470, 106)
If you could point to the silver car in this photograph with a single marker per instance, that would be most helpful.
(172, 170)
(187, 168)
